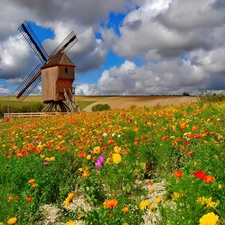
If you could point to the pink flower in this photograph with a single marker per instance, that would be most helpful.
(99, 162)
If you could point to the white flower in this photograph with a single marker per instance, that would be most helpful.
(104, 134)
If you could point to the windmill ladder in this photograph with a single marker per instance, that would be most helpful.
(69, 100)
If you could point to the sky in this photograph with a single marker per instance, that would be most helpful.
(125, 47)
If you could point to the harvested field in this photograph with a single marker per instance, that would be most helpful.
(119, 102)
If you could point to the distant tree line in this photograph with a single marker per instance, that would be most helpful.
(186, 94)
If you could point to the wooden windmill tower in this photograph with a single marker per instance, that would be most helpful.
(55, 71)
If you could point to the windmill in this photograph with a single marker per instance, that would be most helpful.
(55, 71)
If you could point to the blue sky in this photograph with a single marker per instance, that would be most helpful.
(135, 47)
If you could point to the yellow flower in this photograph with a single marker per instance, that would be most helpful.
(176, 195)
(97, 150)
(207, 202)
(49, 159)
(117, 149)
(1, 223)
(88, 157)
(126, 224)
(12, 221)
(116, 158)
(143, 165)
(70, 222)
(209, 219)
(158, 199)
(144, 204)
(69, 199)
(220, 186)
(108, 160)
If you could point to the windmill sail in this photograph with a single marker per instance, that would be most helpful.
(29, 83)
(66, 45)
(34, 78)
(31, 38)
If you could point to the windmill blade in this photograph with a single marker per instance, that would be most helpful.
(31, 38)
(28, 84)
(66, 45)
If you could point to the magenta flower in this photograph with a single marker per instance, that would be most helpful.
(99, 162)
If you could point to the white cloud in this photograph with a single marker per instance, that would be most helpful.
(159, 78)
(4, 91)
(15, 58)
(86, 89)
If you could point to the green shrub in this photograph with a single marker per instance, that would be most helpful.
(207, 97)
(100, 107)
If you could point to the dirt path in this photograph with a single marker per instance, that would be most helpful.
(128, 101)
(154, 191)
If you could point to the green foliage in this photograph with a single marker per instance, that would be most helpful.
(207, 97)
(100, 107)
(16, 107)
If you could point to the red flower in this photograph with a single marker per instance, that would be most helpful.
(209, 179)
(165, 138)
(199, 174)
(29, 199)
(178, 174)
(6, 153)
(190, 153)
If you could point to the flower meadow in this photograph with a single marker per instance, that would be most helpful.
(107, 158)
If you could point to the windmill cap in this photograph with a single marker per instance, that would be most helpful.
(57, 60)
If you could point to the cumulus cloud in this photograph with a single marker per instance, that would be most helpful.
(4, 91)
(15, 58)
(86, 89)
(167, 28)
(159, 78)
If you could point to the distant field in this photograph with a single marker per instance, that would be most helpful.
(115, 102)
(119, 102)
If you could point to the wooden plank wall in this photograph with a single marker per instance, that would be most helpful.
(49, 76)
